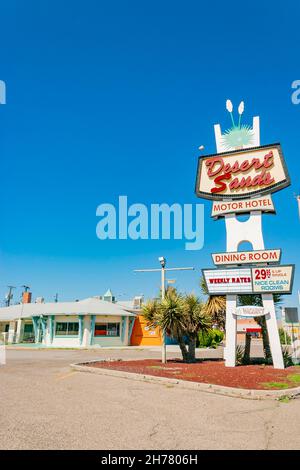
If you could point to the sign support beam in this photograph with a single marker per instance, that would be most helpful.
(236, 233)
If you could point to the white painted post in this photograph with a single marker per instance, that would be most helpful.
(163, 333)
(86, 339)
(19, 330)
(11, 332)
(273, 334)
(230, 327)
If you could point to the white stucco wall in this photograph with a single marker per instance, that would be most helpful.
(88, 340)
(106, 341)
(61, 341)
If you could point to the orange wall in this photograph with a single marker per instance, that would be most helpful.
(144, 335)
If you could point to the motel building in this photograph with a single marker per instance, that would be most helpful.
(247, 325)
(92, 322)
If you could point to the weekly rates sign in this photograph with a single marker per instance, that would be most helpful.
(267, 279)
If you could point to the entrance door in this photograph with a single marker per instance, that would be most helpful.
(28, 335)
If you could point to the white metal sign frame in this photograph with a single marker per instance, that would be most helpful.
(236, 233)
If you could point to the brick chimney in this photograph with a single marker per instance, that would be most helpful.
(26, 298)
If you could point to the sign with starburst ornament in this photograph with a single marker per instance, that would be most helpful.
(240, 178)
(246, 172)
(242, 173)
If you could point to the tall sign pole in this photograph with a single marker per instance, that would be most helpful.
(240, 178)
(236, 233)
(163, 270)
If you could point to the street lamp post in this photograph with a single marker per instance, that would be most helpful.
(163, 270)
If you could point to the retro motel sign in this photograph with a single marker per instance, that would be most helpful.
(249, 280)
(239, 179)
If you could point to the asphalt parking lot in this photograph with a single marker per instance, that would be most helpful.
(46, 405)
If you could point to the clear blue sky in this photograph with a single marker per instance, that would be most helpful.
(111, 98)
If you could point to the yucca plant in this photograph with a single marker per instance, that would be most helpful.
(195, 320)
(287, 357)
(215, 306)
(182, 317)
(240, 353)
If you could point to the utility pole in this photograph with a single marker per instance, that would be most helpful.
(56, 298)
(9, 295)
(163, 270)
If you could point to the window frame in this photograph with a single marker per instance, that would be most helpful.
(117, 326)
(65, 334)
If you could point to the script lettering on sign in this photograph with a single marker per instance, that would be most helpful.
(242, 173)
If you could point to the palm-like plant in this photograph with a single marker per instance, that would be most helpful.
(150, 312)
(215, 306)
(182, 317)
(195, 319)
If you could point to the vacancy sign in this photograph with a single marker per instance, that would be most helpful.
(221, 208)
(276, 279)
(242, 174)
(247, 257)
(250, 311)
(228, 281)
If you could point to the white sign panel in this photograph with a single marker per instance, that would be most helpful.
(264, 204)
(228, 281)
(273, 279)
(247, 257)
(250, 311)
(241, 174)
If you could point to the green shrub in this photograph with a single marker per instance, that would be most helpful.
(287, 357)
(240, 352)
(284, 337)
(210, 339)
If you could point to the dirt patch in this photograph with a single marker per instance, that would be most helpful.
(256, 377)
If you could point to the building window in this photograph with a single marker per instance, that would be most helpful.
(66, 328)
(107, 329)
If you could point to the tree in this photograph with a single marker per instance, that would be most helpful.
(215, 306)
(182, 317)
(256, 300)
(195, 319)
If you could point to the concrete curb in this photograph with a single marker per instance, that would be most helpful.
(202, 387)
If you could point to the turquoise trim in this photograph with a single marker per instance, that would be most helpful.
(66, 336)
(93, 321)
(130, 328)
(36, 328)
(43, 322)
(123, 327)
(81, 321)
(51, 327)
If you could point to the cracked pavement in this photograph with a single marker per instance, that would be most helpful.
(46, 405)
